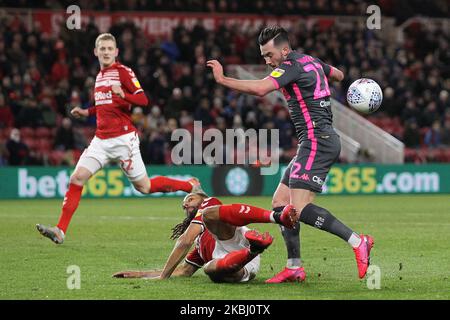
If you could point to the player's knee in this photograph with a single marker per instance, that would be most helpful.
(78, 179)
(142, 188)
(277, 202)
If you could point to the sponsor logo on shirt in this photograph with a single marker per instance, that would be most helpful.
(277, 73)
(103, 98)
(103, 95)
(136, 83)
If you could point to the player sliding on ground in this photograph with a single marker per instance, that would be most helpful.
(116, 139)
(226, 249)
(303, 80)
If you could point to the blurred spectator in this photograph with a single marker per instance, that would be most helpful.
(411, 136)
(65, 138)
(17, 150)
(3, 155)
(433, 135)
(43, 76)
(446, 133)
(6, 115)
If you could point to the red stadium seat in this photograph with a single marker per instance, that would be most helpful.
(26, 132)
(44, 145)
(43, 133)
(76, 154)
(56, 157)
(30, 142)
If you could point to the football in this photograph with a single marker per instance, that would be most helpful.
(365, 95)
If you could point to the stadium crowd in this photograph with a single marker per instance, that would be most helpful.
(43, 77)
(401, 9)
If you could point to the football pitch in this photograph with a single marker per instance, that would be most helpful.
(411, 251)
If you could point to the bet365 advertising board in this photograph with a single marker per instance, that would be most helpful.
(51, 182)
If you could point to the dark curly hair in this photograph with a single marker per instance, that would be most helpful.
(180, 228)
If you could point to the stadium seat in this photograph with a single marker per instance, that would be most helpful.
(56, 157)
(43, 133)
(26, 132)
(44, 145)
(30, 142)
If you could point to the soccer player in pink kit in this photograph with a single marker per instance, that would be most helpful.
(303, 80)
(116, 138)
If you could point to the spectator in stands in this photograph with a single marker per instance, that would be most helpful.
(433, 135)
(48, 114)
(17, 150)
(30, 114)
(411, 136)
(3, 155)
(203, 113)
(412, 73)
(446, 133)
(6, 115)
(65, 139)
(174, 104)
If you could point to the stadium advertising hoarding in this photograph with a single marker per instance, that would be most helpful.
(159, 24)
(51, 182)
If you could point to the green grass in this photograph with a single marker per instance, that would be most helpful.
(411, 249)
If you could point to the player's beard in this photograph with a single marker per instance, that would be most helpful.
(191, 212)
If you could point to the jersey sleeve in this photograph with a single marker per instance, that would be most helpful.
(286, 73)
(327, 69)
(129, 81)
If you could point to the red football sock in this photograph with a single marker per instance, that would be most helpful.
(70, 204)
(234, 261)
(164, 184)
(242, 214)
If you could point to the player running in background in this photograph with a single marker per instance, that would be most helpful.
(116, 138)
(226, 249)
(303, 80)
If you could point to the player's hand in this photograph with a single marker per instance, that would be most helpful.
(117, 90)
(77, 112)
(217, 70)
(152, 274)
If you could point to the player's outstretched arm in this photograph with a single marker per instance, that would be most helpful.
(336, 74)
(77, 112)
(184, 243)
(255, 87)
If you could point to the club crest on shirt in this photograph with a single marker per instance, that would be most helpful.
(277, 73)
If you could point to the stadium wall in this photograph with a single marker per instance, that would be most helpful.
(51, 182)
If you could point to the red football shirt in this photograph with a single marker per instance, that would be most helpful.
(205, 242)
(114, 113)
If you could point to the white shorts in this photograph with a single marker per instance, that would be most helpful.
(238, 242)
(123, 149)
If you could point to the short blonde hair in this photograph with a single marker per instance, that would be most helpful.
(105, 36)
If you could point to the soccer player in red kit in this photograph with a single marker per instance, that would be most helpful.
(226, 249)
(116, 138)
